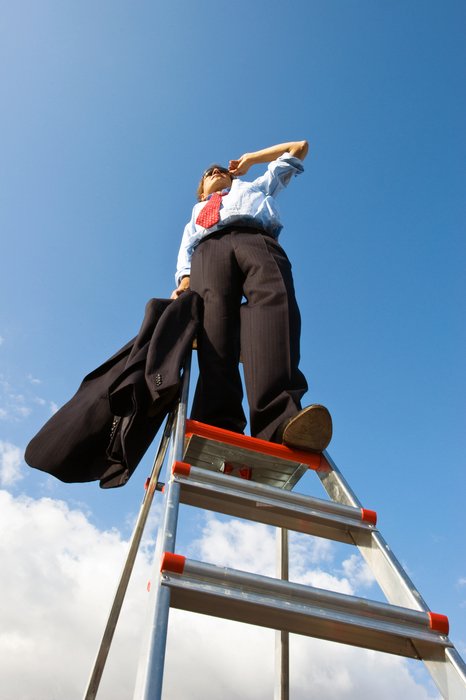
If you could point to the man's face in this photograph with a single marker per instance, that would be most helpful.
(215, 179)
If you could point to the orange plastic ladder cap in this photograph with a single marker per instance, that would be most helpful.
(181, 468)
(369, 516)
(439, 623)
(173, 562)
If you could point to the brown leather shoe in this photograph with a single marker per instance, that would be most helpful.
(310, 429)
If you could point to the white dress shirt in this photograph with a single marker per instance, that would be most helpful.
(246, 204)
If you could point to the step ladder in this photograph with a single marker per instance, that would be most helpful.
(203, 470)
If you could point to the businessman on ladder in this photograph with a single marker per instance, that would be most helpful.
(230, 255)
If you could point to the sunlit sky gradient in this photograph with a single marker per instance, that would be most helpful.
(110, 112)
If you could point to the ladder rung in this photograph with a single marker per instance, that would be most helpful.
(261, 600)
(247, 499)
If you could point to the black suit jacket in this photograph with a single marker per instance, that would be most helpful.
(105, 429)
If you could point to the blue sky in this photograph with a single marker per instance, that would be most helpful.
(111, 110)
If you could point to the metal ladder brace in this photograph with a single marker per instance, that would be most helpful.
(200, 461)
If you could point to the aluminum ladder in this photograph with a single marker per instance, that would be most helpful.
(201, 471)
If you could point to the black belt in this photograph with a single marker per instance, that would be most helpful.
(241, 228)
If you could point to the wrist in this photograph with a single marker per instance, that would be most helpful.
(250, 159)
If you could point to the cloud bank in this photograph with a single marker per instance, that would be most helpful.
(57, 580)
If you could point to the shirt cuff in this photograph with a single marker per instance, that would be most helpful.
(184, 272)
(292, 160)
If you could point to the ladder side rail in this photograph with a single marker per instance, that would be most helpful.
(151, 666)
(453, 674)
(449, 670)
(390, 575)
(282, 637)
(102, 654)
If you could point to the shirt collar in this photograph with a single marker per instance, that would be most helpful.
(222, 192)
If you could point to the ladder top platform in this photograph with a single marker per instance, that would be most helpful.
(272, 464)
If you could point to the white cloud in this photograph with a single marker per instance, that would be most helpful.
(2, 340)
(247, 546)
(10, 463)
(251, 547)
(16, 405)
(33, 379)
(358, 571)
(23, 411)
(57, 579)
(53, 407)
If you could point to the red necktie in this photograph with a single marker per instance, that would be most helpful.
(210, 213)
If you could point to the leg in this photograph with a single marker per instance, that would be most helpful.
(215, 275)
(270, 333)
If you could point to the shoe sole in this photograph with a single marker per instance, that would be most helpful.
(310, 430)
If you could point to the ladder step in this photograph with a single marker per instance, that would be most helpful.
(268, 602)
(277, 465)
(273, 506)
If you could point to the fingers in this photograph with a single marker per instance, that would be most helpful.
(184, 285)
(239, 167)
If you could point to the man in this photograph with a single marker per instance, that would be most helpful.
(231, 256)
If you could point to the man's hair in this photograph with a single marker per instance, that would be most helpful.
(200, 187)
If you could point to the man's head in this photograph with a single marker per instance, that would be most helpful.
(214, 179)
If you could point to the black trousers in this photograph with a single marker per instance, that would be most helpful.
(245, 280)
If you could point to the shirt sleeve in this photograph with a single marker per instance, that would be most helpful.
(278, 174)
(183, 266)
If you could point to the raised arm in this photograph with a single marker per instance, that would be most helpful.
(267, 155)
